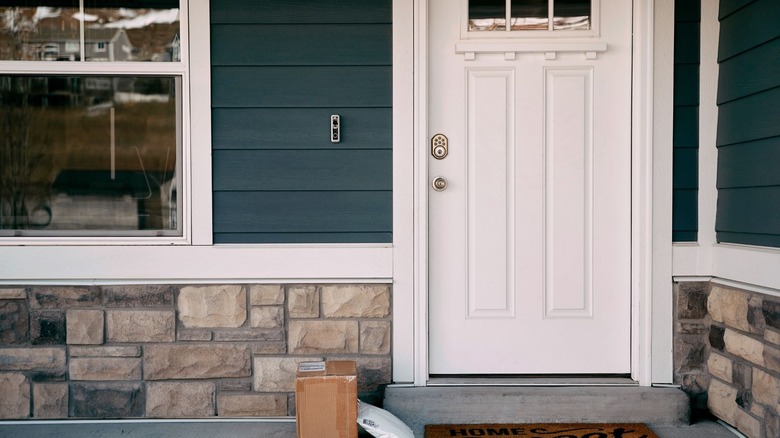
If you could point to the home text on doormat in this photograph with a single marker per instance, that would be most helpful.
(633, 430)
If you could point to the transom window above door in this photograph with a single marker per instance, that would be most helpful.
(530, 16)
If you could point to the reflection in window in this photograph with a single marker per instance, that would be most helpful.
(114, 30)
(487, 15)
(82, 153)
(524, 15)
(530, 15)
(571, 15)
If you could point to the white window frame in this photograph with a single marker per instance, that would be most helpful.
(169, 69)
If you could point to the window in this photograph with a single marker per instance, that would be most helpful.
(92, 144)
(529, 15)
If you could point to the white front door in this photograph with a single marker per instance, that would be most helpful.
(530, 241)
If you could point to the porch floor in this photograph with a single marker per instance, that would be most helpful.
(666, 410)
(248, 428)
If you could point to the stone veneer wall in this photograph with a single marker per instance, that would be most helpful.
(182, 351)
(727, 355)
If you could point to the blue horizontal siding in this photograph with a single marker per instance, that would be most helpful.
(686, 120)
(749, 123)
(279, 70)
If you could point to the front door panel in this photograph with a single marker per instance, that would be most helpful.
(530, 240)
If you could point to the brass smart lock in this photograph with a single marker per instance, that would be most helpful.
(439, 146)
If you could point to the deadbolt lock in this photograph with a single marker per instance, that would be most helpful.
(439, 146)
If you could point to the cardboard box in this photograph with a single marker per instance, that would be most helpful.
(326, 399)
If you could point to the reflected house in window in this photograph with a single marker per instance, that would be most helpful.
(99, 45)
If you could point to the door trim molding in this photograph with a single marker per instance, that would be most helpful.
(651, 283)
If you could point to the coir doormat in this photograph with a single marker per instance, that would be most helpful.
(540, 430)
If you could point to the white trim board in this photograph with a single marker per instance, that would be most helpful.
(169, 263)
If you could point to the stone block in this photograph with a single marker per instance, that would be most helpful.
(105, 368)
(375, 337)
(771, 311)
(47, 327)
(772, 358)
(276, 374)
(729, 306)
(695, 385)
(692, 328)
(104, 351)
(747, 424)
(248, 335)
(180, 399)
(252, 405)
(51, 297)
(291, 405)
(721, 401)
(741, 375)
(745, 347)
(28, 359)
(266, 348)
(720, 366)
(373, 372)
(267, 317)
(50, 400)
(772, 336)
(139, 295)
(141, 325)
(266, 294)
(195, 335)
(234, 385)
(766, 389)
(689, 353)
(16, 293)
(212, 306)
(716, 336)
(692, 300)
(14, 321)
(196, 361)
(303, 302)
(318, 337)
(356, 301)
(14, 396)
(771, 424)
(755, 316)
(85, 327)
(107, 400)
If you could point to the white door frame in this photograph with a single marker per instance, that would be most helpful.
(651, 277)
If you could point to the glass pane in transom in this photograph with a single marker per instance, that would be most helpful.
(487, 15)
(572, 15)
(530, 15)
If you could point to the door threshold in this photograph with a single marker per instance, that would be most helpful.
(597, 380)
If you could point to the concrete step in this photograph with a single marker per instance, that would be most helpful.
(418, 406)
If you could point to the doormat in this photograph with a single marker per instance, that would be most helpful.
(541, 430)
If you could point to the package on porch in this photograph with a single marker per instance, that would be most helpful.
(326, 399)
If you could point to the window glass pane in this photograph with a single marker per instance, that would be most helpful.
(571, 15)
(84, 155)
(530, 15)
(114, 30)
(42, 30)
(122, 30)
(486, 15)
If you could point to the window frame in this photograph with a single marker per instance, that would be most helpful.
(182, 70)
